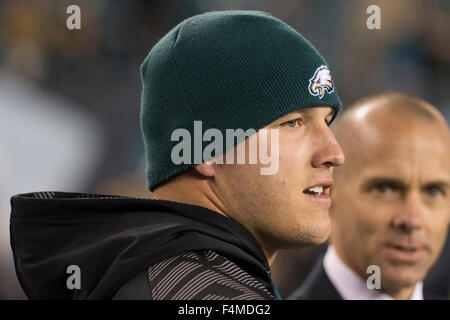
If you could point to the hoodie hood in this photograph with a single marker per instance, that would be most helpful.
(113, 238)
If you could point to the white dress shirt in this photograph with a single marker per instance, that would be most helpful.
(351, 286)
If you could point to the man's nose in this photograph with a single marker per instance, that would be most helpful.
(409, 214)
(329, 153)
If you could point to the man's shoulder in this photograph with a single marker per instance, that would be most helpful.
(203, 275)
(195, 275)
(317, 286)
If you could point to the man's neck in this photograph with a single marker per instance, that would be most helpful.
(400, 294)
(403, 293)
(208, 200)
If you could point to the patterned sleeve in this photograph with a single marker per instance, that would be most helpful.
(203, 275)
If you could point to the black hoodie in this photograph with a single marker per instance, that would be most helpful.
(112, 239)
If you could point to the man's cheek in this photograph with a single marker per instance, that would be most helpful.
(368, 224)
(373, 214)
(437, 234)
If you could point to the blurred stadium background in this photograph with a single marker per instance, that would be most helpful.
(69, 99)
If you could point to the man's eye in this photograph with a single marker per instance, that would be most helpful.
(291, 123)
(434, 191)
(383, 188)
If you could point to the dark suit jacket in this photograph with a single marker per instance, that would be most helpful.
(318, 286)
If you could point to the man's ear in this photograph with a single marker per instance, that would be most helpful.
(206, 168)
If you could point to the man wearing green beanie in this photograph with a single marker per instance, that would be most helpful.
(235, 115)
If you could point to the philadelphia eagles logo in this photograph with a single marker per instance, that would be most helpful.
(321, 82)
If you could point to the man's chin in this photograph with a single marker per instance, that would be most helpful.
(401, 277)
(301, 234)
(322, 230)
(322, 239)
(316, 238)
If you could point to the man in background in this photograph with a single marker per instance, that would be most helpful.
(391, 201)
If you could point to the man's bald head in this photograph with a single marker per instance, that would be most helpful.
(401, 104)
(386, 116)
(391, 198)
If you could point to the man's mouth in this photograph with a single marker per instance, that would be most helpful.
(407, 253)
(319, 192)
(403, 248)
(319, 189)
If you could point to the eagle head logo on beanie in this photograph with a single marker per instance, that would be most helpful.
(321, 82)
(229, 70)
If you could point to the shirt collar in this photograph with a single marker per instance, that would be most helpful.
(350, 285)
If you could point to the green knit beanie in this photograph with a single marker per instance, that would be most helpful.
(229, 70)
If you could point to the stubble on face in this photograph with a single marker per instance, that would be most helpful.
(274, 207)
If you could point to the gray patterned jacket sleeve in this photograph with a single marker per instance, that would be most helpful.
(203, 275)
